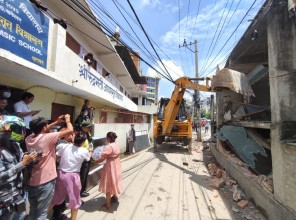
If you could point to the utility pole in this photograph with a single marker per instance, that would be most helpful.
(196, 100)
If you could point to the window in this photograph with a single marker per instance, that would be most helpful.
(72, 44)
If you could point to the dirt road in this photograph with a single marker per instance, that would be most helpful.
(159, 186)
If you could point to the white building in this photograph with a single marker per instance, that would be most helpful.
(40, 56)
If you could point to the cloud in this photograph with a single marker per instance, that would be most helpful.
(174, 70)
(159, 6)
(151, 3)
(203, 28)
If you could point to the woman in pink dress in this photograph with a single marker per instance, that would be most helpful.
(111, 179)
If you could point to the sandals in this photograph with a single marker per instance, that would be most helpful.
(105, 207)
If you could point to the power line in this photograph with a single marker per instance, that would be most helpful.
(203, 43)
(270, 12)
(110, 32)
(86, 12)
(207, 56)
(232, 33)
(219, 35)
(152, 57)
(148, 38)
(130, 37)
(197, 13)
(187, 19)
(118, 4)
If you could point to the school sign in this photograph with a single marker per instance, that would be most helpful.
(24, 31)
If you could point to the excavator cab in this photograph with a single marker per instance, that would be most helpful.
(181, 116)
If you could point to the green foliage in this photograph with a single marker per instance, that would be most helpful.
(205, 114)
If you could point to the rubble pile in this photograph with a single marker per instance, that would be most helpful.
(230, 190)
(265, 182)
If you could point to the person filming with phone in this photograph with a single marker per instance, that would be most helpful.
(23, 110)
(42, 179)
(12, 162)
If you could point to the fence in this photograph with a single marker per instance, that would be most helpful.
(108, 114)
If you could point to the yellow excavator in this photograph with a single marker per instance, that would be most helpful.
(171, 122)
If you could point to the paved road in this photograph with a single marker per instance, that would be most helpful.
(159, 186)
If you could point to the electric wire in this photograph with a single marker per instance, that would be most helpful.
(116, 3)
(182, 62)
(213, 38)
(128, 35)
(132, 8)
(232, 33)
(187, 19)
(154, 59)
(268, 17)
(196, 16)
(203, 43)
(142, 42)
(109, 31)
(219, 35)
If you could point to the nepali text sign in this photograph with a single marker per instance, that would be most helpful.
(24, 30)
(98, 82)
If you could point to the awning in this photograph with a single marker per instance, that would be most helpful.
(129, 63)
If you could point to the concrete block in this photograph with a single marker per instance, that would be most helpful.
(230, 182)
(219, 173)
(213, 169)
(217, 183)
(242, 204)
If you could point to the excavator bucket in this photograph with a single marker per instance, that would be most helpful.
(231, 80)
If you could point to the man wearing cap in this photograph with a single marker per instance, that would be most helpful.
(86, 127)
(131, 138)
(12, 162)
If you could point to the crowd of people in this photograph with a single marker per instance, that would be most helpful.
(46, 167)
(203, 123)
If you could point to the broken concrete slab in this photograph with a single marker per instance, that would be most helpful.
(246, 148)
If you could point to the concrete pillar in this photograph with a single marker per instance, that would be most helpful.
(282, 56)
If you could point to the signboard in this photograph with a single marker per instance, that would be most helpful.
(99, 82)
(24, 31)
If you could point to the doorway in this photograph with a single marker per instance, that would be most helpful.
(60, 109)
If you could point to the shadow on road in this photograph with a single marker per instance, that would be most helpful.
(94, 205)
(201, 180)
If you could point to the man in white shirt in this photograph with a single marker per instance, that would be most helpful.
(24, 111)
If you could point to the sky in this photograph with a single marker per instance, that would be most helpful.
(213, 24)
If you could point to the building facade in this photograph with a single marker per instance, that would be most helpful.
(62, 56)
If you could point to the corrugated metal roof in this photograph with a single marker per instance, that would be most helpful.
(246, 148)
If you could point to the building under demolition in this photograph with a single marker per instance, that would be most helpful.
(256, 122)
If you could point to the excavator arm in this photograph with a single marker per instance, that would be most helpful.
(172, 108)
